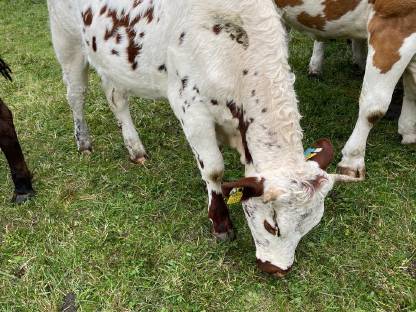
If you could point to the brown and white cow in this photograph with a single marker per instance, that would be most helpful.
(223, 67)
(9, 144)
(390, 28)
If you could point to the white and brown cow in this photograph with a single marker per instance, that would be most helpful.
(390, 28)
(223, 67)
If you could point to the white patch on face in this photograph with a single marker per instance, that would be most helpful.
(293, 215)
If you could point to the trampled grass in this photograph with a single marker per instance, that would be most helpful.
(124, 237)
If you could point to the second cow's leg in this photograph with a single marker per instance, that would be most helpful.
(359, 52)
(317, 58)
(9, 144)
(375, 98)
(118, 102)
(407, 121)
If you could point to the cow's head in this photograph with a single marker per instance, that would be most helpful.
(280, 210)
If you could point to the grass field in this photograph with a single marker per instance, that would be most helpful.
(123, 237)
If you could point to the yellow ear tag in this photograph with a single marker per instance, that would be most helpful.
(235, 196)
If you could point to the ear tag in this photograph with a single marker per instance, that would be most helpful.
(311, 152)
(235, 196)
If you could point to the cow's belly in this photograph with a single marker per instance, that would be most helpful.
(318, 20)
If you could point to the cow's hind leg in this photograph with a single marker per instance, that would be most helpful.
(375, 98)
(9, 144)
(69, 51)
(317, 59)
(359, 52)
(407, 121)
(199, 128)
(118, 102)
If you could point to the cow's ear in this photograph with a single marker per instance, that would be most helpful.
(251, 187)
(326, 156)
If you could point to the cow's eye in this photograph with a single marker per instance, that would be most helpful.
(274, 230)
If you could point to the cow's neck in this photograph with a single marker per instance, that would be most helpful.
(269, 104)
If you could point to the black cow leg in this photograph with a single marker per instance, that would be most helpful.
(9, 144)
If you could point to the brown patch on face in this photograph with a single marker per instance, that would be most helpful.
(242, 127)
(333, 10)
(373, 118)
(387, 35)
(87, 17)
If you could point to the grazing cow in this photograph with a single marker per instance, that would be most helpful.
(223, 67)
(9, 144)
(390, 28)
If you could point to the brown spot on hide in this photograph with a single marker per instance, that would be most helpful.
(103, 10)
(87, 17)
(316, 22)
(181, 38)
(374, 117)
(114, 52)
(333, 10)
(94, 44)
(124, 20)
(242, 127)
(387, 35)
(285, 3)
(387, 8)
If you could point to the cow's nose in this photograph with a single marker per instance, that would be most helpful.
(267, 267)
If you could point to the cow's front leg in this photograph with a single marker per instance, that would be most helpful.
(199, 129)
(376, 94)
(317, 58)
(407, 121)
(119, 105)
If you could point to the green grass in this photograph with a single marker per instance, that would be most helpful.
(124, 237)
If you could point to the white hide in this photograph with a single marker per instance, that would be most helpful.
(203, 66)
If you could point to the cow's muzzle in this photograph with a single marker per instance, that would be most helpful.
(267, 267)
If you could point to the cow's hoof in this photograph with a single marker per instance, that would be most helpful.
(225, 236)
(85, 150)
(21, 198)
(354, 173)
(409, 139)
(315, 74)
(139, 159)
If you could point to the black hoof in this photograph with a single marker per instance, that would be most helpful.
(21, 198)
